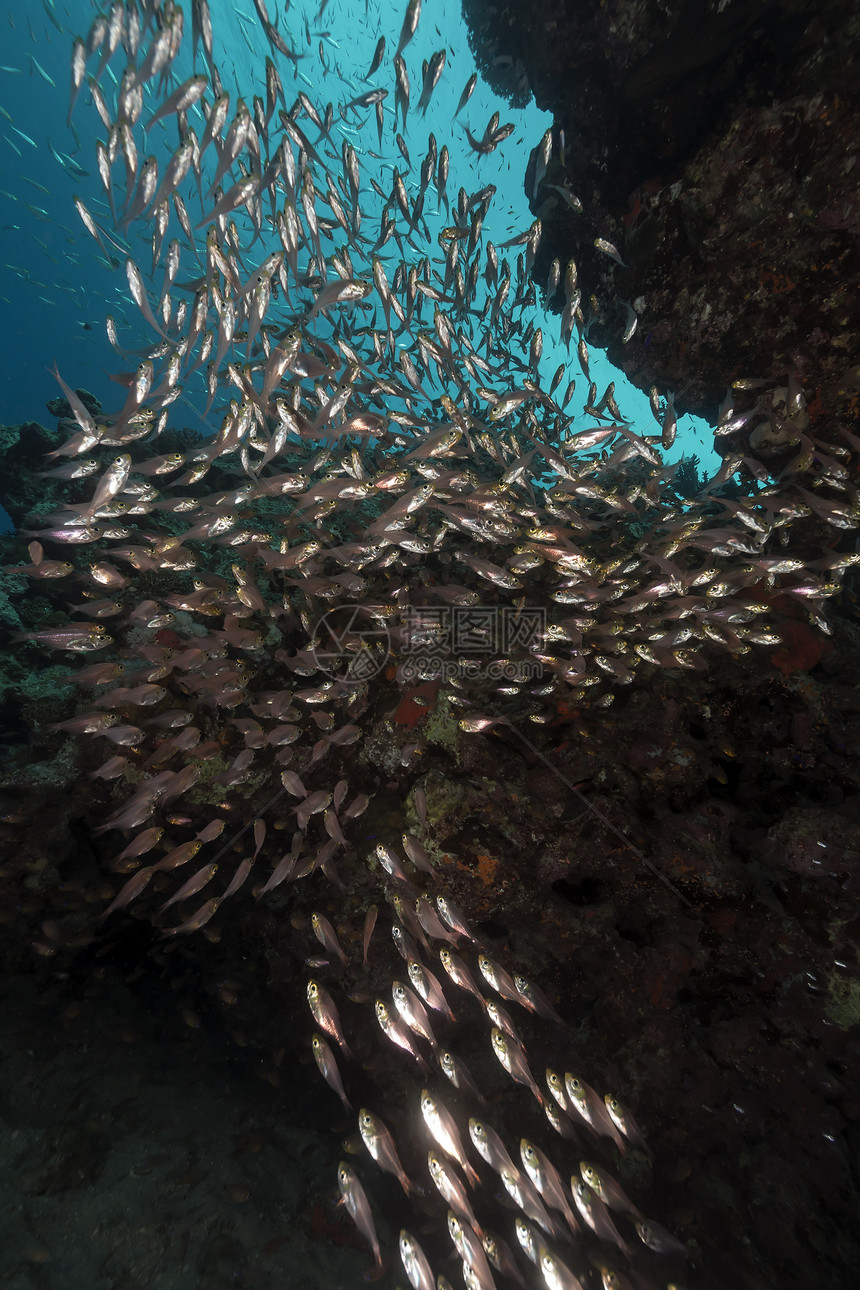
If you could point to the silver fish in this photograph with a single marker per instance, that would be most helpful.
(457, 1072)
(410, 25)
(397, 1034)
(445, 1133)
(415, 1264)
(595, 1214)
(451, 1189)
(658, 1239)
(547, 1180)
(582, 1098)
(609, 1191)
(326, 1014)
(625, 1123)
(556, 1274)
(380, 1144)
(325, 1060)
(355, 1199)
(512, 1057)
(413, 1012)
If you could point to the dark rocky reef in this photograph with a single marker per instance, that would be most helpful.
(717, 146)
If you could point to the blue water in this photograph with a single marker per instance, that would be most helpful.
(56, 288)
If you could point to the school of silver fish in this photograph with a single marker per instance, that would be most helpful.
(383, 448)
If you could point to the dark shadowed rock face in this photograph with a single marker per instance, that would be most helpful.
(717, 146)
